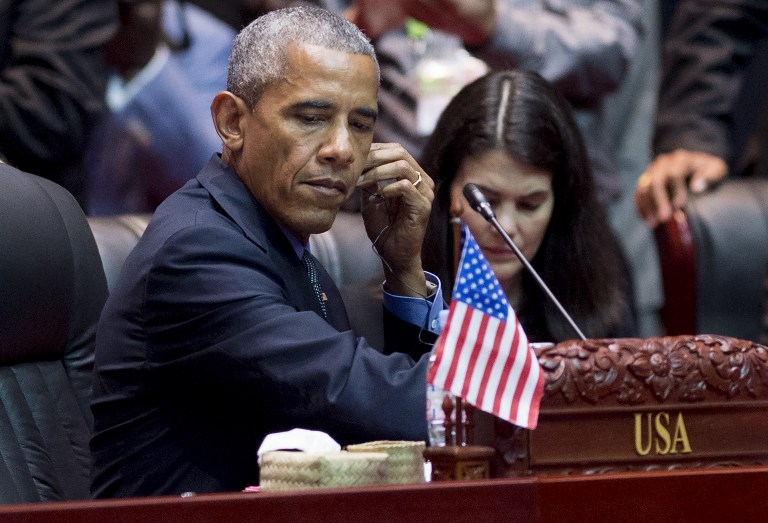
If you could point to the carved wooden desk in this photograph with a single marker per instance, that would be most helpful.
(644, 404)
(727, 494)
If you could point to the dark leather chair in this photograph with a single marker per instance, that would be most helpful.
(713, 258)
(52, 290)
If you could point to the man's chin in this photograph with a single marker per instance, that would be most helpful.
(316, 221)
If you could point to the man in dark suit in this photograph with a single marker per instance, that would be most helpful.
(217, 332)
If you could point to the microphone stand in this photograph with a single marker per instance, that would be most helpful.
(480, 204)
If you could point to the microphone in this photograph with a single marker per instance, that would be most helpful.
(477, 200)
(479, 203)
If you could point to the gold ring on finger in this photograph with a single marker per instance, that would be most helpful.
(418, 179)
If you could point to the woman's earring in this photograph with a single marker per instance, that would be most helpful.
(455, 210)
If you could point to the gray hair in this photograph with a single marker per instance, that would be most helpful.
(259, 53)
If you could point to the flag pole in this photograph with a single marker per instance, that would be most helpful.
(456, 232)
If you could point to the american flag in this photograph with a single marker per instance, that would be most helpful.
(482, 353)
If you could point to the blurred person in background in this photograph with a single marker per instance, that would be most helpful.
(169, 61)
(600, 55)
(583, 48)
(52, 81)
(707, 55)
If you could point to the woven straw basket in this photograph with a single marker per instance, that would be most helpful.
(406, 459)
(285, 470)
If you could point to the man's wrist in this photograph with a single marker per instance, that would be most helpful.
(414, 286)
(419, 311)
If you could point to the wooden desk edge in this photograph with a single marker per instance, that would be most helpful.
(680, 495)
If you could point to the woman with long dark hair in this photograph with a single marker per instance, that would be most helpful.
(514, 136)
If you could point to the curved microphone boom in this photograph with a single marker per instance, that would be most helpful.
(479, 203)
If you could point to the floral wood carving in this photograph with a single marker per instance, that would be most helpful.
(634, 371)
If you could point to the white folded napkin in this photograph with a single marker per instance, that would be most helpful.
(312, 441)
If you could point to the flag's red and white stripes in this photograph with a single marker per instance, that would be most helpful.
(489, 363)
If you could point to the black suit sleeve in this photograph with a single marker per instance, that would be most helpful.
(236, 332)
(399, 336)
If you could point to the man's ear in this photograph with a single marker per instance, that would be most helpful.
(228, 112)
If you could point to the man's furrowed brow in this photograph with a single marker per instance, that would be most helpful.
(311, 104)
(366, 112)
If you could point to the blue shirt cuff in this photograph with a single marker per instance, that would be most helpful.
(422, 312)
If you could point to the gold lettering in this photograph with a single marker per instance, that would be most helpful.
(639, 434)
(658, 434)
(662, 433)
(681, 436)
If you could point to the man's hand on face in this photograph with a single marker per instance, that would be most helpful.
(663, 187)
(396, 203)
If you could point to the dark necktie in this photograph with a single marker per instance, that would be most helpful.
(309, 265)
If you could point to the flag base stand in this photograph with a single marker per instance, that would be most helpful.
(459, 459)
(455, 463)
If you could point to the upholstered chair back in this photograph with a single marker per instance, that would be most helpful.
(713, 259)
(52, 290)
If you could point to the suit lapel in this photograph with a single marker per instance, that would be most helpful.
(235, 199)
